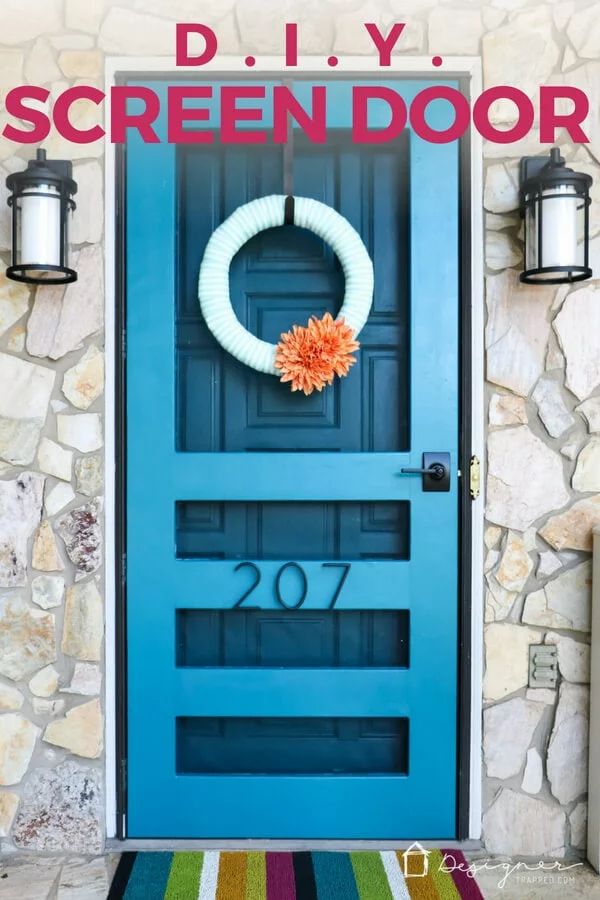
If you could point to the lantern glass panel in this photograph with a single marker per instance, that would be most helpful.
(39, 227)
(562, 227)
(555, 230)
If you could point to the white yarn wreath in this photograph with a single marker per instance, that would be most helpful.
(247, 221)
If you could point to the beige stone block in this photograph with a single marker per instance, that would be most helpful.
(497, 222)
(87, 680)
(262, 25)
(522, 53)
(506, 658)
(132, 33)
(517, 331)
(533, 776)
(578, 822)
(542, 695)
(88, 472)
(10, 698)
(84, 382)
(591, 410)
(351, 36)
(8, 808)
(72, 41)
(83, 431)
(491, 17)
(455, 31)
(45, 682)
(41, 68)
(85, 16)
(499, 601)
(20, 511)
(7, 148)
(80, 732)
(570, 450)
(564, 602)
(492, 536)
(515, 565)
(490, 561)
(62, 318)
(519, 825)
(584, 31)
(47, 591)
(554, 358)
(81, 63)
(573, 657)
(14, 302)
(87, 226)
(46, 557)
(549, 564)
(59, 497)
(567, 761)
(31, 388)
(24, 20)
(84, 623)
(562, 12)
(587, 473)
(552, 408)
(515, 499)
(55, 460)
(42, 707)
(27, 638)
(501, 190)
(501, 251)
(16, 339)
(17, 743)
(506, 409)
(508, 731)
(569, 59)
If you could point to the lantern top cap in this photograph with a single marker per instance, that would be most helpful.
(43, 171)
(541, 173)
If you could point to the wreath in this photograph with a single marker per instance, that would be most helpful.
(308, 356)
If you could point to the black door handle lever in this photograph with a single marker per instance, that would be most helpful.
(435, 472)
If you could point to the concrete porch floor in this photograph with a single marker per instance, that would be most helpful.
(77, 878)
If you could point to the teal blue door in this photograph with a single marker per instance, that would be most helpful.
(292, 596)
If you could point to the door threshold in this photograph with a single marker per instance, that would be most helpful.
(131, 844)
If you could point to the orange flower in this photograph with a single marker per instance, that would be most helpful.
(310, 356)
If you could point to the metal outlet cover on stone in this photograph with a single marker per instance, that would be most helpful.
(543, 666)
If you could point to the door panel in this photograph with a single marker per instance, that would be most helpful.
(368, 410)
(292, 597)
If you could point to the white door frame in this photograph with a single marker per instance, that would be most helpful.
(467, 67)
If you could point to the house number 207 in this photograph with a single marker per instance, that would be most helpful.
(345, 567)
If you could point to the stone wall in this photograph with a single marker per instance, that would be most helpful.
(543, 371)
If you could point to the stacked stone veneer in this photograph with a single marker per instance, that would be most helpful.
(543, 372)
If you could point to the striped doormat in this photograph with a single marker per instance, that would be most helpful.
(363, 875)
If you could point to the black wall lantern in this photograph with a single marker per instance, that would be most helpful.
(41, 201)
(555, 204)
